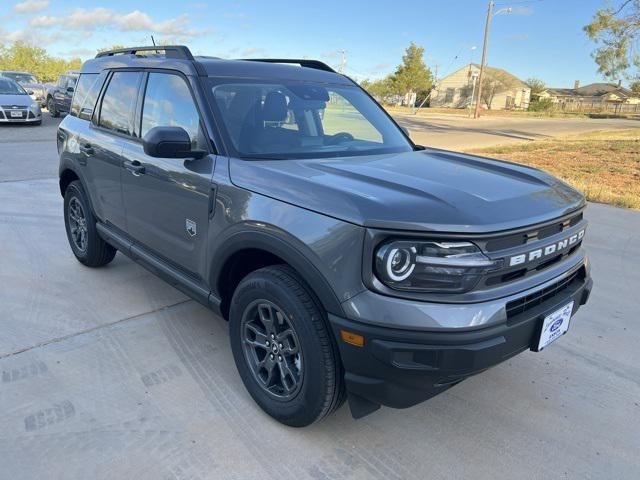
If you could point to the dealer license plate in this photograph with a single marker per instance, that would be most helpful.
(555, 325)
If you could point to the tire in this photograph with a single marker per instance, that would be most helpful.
(80, 222)
(51, 106)
(317, 369)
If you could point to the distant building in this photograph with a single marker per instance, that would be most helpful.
(502, 90)
(593, 95)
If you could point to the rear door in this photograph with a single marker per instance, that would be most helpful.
(167, 199)
(112, 127)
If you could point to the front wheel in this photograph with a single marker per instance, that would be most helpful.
(284, 352)
(51, 106)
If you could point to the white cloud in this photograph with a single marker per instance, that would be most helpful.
(135, 21)
(30, 36)
(30, 6)
(43, 21)
(248, 52)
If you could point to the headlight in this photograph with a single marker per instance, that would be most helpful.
(432, 266)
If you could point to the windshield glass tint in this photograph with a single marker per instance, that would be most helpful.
(304, 120)
(9, 87)
(21, 77)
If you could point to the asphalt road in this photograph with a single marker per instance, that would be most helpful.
(457, 132)
(111, 373)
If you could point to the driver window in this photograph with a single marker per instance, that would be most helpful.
(168, 103)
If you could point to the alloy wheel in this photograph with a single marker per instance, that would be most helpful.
(271, 349)
(77, 224)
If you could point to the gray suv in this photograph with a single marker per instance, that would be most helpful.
(350, 262)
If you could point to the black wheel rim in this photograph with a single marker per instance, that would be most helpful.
(77, 224)
(272, 350)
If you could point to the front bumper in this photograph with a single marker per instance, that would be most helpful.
(27, 115)
(400, 368)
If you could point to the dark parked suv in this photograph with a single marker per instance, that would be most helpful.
(59, 96)
(350, 262)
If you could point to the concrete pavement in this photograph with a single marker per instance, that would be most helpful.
(111, 373)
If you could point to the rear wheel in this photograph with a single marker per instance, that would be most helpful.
(88, 247)
(285, 354)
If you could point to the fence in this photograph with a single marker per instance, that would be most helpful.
(598, 107)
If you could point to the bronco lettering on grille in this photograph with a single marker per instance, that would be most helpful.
(545, 251)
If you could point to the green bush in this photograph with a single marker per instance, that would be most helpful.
(541, 105)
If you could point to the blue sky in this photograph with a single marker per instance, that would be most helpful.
(541, 38)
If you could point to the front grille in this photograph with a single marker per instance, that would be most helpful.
(540, 233)
(1, 115)
(8, 109)
(521, 305)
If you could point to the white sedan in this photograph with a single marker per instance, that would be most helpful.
(16, 105)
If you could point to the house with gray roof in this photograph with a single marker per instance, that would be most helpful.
(593, 95)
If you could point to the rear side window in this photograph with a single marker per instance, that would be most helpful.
(80, 96)
(119, 101)
(168, 103)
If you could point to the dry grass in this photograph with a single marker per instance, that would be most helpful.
(605, 165)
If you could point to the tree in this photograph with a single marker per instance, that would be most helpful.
(537, 86)
(616, 31)
(412, 75)
(635, 87)
(494, 82)
(23, 57)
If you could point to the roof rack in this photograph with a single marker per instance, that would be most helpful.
(316, 64)
(170, 51)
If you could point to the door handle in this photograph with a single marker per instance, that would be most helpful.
(87, 149)
(135, 167)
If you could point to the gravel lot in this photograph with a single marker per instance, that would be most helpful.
(112, 373)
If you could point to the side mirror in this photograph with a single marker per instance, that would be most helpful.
(70, 89)
(169, 142)
(30, 92)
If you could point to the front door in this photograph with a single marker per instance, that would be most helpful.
(167, 199)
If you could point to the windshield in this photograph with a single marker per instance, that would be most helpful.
(21, 77)
(303, 120)
(9, 87)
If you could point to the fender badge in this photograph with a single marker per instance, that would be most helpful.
(191, 227)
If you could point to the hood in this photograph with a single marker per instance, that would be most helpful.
(430, 190)
(19, 100)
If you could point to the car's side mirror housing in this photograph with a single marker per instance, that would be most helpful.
(70, 89)
(30, 92)
(169, 142)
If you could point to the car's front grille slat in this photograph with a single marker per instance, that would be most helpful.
(521, 305)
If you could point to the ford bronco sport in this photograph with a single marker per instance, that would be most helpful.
(349, 262)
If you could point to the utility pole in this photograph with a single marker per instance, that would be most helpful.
(343, 61)
(484, 58)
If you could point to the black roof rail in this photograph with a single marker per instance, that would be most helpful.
(316, 64)
(170, 51)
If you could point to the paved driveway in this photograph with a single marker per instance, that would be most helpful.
(111, 373)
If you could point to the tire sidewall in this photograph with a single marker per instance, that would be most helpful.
(307, 405)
